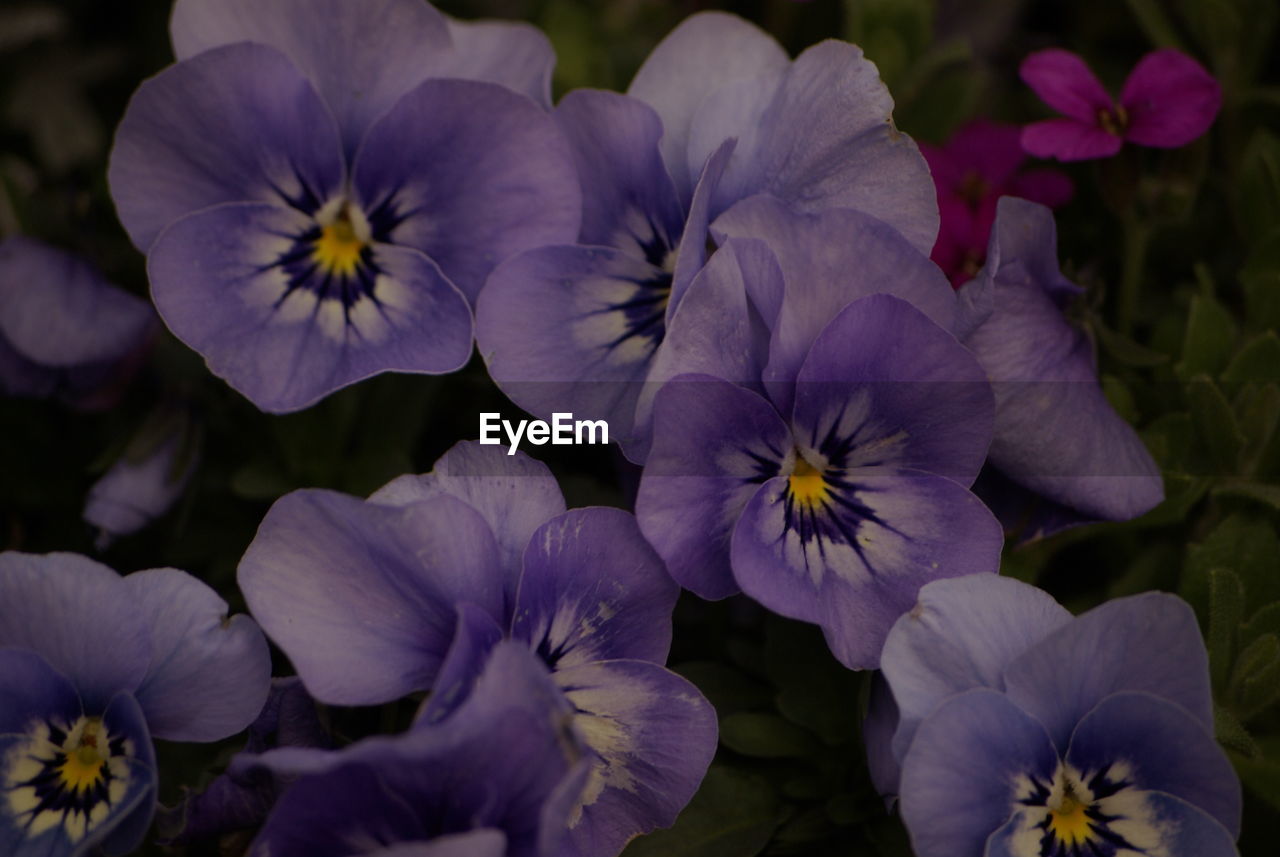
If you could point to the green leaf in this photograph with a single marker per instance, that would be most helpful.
(1226, 611)
(1264, 621)
(1215, 424)
(1246, 544)
(1260, 278)
(1258, 360)
(1258, 416)
(1231, 733)
(1209, 340)
(1255, 680)
(1258, 185)
(729, 690)
(733, 814)
(1155, 25)
(1125, 350)
(1260, 492)
(766, 736)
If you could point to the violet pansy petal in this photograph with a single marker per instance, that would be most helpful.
(691, 255)
(718, 330)
(878, 729)
(1147, 642)
(1065, 82)
(628, 201)
(1069, 140)
(960, 779)
(134, 493)
(469, 173)
(77, 615)
(594, 590)
(474, 638)
(682, 74)
(573, 329)
(57, 310)
(714, 444)
(961, 634)
(854, 564)
(360, 59)
(515, 494)
(360, 596)
(1155, 745)
(477, 843)
(22, 377)
(829, 260)
(654, 734)
(511, 53)
(223, 284)
(1025, 515)
(235, 124)
(827, 140)
(897, 390)
(1056, 433)
(210, 672)
(1170, 99)
(32, 689)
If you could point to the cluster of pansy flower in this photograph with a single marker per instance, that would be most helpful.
(728, 263)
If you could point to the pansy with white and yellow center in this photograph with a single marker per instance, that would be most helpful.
(414, 588)
(318, 204)
(820, 427)
(92, 666)
(1043, 735)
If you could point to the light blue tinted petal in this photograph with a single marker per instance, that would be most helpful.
(474, 639)
(654, 734)
(57, 310)
(470, 173)
(877, 737)
(134, 493)
(516, 494)
(701, 55)
(960, 635)
(827, 140)
(714, 445)
(511, 53)
(218, 279)
(238, 123)
(1157, 746)
(854, 565)
(829, 260)
(77, 615)
(897, 390)
(360, 57)
(592, 590)
(963, 773)
(210, 672)
(32, 689)
(628, 201)
(361, 596)
(1147, 642)
(691, 255)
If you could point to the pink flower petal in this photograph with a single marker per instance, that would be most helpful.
(947, 172)
(1068, 140)
(1171, 100)
(1046, 186)
(991, 149)
(1063, 80)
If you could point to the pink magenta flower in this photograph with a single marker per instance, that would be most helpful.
(979, 164)
(1168, 100)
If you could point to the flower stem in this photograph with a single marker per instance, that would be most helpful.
(1136, 237)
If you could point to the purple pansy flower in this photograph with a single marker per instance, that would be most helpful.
(717, 113)
(500, 777)
(1055, 433)
(317, 203)
(64, 329)
(979, 164)
(1168, 100)
(93, 666)
(365, 598)
(830, 481)
(1012, 729)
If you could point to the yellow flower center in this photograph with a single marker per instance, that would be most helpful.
(1114, 121)
(1069, 822)
(82, 766)
(806, 483)
(338, 248)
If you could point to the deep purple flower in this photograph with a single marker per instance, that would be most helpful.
(93, 667)
(500, 777)
(1015, 730)
(148, 477)
(979, 164)
(318, 202)
(1055, 433)
(364, 597)
(65, 330)
(717, 113)
(1167, 101)
(828, 482)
